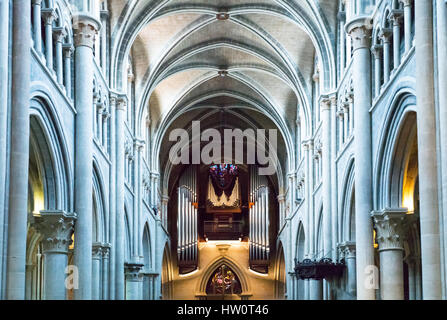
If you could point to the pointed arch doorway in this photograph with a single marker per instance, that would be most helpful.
(223, 284)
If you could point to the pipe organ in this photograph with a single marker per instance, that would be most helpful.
(259, 221)
(187, 233)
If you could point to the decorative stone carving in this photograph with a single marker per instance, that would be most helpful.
(56, 228)
(96, 250)
(59, 34)
(133, 271)
(68, 50)
(85, 30)
(390, 227)
(49, 15)
(347, 249)
(385, 34)
(359, 30)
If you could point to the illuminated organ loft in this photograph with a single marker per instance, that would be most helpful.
(224, 202)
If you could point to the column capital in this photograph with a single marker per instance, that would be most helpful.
(360, 29)
(121, 102)
(139, 144)
(396, 15)
(105, 250)
(106, 114)
(348, 249)
(281, 198)
(85, 29)
(36, 2)
(328, 100)
(132, 271)
(56, 228)
(96, 250)
(68, 50)
(308, 144)
(59, 33)
(406, 3)
(49, 15)
(385, 34)
(390, 225)
(376, 50)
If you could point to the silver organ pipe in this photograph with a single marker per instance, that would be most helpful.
(187, 220)
(259, 220)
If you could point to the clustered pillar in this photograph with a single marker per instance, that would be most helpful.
(85, 29)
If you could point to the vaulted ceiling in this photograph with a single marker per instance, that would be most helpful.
(252, 58)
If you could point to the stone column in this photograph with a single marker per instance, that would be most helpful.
(396, 18)
(359, 30)
(133, 281)
(316, 289)
(105, 250)
(4, 93)
(138, 181)
(346, 119)
(49, 15)
(112, 199)
(19, 150)
(327, 187)
(348, 250)
(390, 232)
(441, 16)
(99, 112)
(120, 234)
(385, 34)
(68, 51)
(37, 5)
(408, 23)
(105, 134)
(341, 21)
(56, 228)
(59, 34)
(377, 52)
(341, 122)
(104, 18)
(96, 270)
(85, 29)
(427, 152)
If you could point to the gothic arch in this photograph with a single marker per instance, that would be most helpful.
(99, 206)
(280, 273)
(398, 131)
(347, 208)
(211, 268)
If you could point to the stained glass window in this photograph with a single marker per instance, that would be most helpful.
(223, 281)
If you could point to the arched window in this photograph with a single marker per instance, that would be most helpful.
(223, 281)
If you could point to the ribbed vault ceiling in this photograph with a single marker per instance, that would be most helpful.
(189, 57)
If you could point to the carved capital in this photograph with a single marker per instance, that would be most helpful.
(360, 30)
(407, 3)
(59, 34)
(390, 226)
(105, 250)
(85, 30)
(96, 250)
(396, 15)
(68, 50)
(376, 50)
(385, 34)
(121, 103)
(56, 228)
(49, 15)
(133, 271)
(347, 249)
